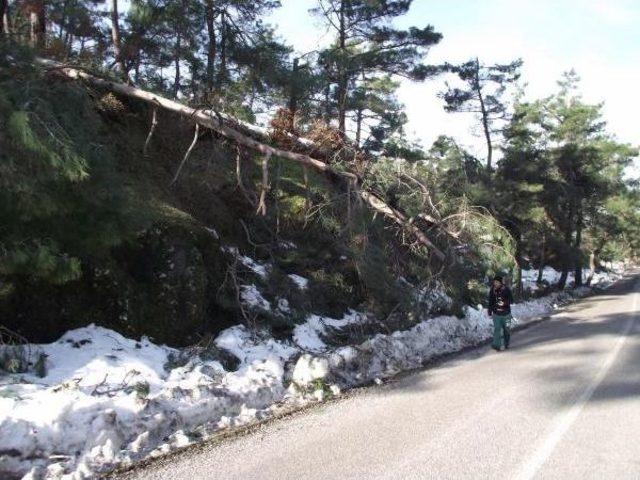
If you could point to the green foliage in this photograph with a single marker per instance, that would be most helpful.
(60, 196)
(562, 178)
(481, 93)
(142, 389)
(366, 54)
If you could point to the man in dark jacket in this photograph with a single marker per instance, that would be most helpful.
(500, 300)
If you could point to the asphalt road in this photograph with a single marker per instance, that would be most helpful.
(563, 403)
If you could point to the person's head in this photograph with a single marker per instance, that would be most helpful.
(497, 281)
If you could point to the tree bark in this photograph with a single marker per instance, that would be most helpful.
(562, 282)
(484, 117)
(577, 246)
(358, 127)
(542, 259)
(222, 72)
(592, 267)
(37, 23)
(115, 37)
(293, 95)
(217, 124)
(211, 49)
(4, 17)
(327, 102)
(63, 20)
(519, 261)
(566, 264)
(176, 59)
(343, 78)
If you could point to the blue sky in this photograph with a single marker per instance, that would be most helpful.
(600, 39)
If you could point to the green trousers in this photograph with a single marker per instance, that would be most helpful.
(501, 330)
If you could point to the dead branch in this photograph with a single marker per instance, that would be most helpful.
(186, 155)
(401, 220)
(239, 182)
(262, 206)
(154, 123)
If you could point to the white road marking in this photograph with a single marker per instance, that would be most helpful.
(530, 468)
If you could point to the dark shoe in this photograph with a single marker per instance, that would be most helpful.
(497, 349)
(506, 347)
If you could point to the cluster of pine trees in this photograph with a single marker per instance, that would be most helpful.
(552, 177)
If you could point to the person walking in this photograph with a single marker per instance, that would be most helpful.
(500, 300)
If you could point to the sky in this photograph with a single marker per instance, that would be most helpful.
(599, 39)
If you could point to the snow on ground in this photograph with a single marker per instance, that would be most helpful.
(107, 400)
(260, 269)
(251, 296)
(309, 336)
(551, 276)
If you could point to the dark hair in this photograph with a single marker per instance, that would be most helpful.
(498, 278)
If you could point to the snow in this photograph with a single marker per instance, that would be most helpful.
(308, 369)
(551, 276)
(250, 347)
(301, 282)
(260, 269)
(107, 400)
(252, 297)
(309, 335)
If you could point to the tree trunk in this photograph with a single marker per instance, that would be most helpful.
(578, 252)
(115, 37)
(567, 262)
(343, 78)
(4, 17)
(215, 123)
(63, 20)
(222, 72)
(594, 262)
(592, 268)
(562, 282)
(211, 49)
(293, 95)
(542, 259)
(519, 261)
(327, 102)
(176, 59)
(37, 23)
(484, 116)
(358, 127)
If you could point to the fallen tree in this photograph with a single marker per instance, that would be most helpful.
(222, 124)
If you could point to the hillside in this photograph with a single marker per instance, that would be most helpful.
(159, 259)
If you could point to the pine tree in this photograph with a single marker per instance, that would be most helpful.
(482, 94)
(367, 47)
(559, 156)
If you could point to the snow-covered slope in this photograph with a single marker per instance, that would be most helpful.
(107, 400)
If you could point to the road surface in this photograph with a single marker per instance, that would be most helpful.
(563, 403)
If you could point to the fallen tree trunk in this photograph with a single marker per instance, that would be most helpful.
(217, 124)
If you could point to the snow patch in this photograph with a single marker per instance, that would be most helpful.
(309, 335)
(301, 282)
(260, 269)
(309, 369)
(252, 297)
